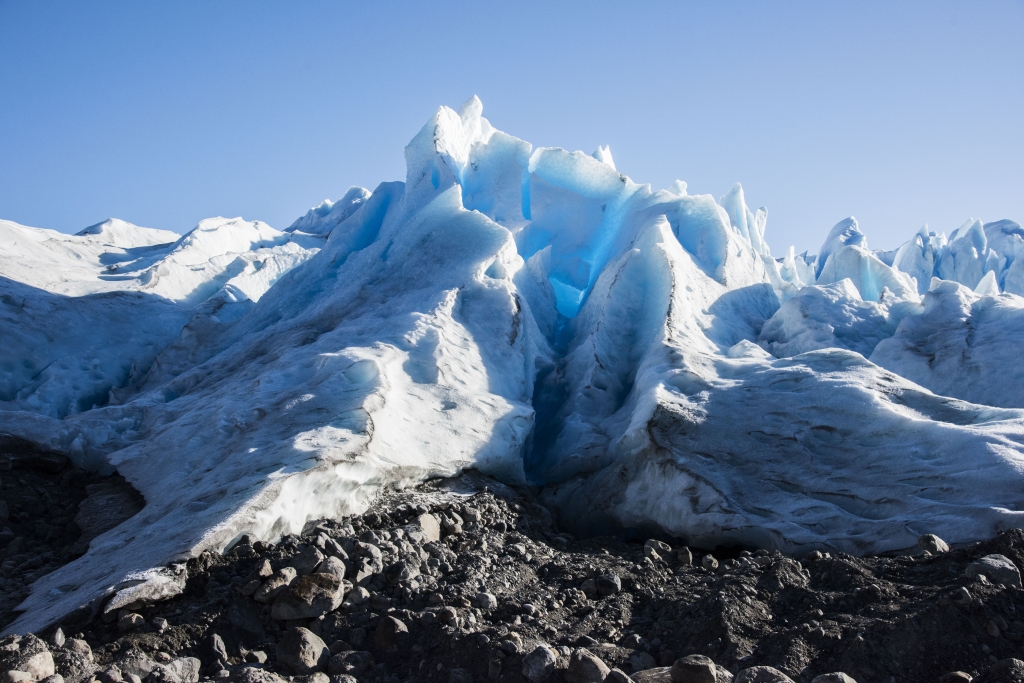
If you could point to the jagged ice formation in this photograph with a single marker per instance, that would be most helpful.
(537, 315)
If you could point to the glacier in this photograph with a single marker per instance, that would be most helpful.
(638, 354)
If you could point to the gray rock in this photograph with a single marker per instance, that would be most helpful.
(656, 550)
(997, 569)
(350, 662)
(344, 678)
(585, 667)
(334, 566)
(839, 676)
(307, 559)
(130, 622)
(80, 646)
(31, 657)
(430, 527)
(1004, 671)
(252, 674)
(694, 669)
(358, 595)
(185, 668)
(618, 676)
(58, 639)
(485, 601)
(609, 584)
(762, 674)
(460, 676)
(300, 651)
(539, 664)
(389, 632)
(309, 597)
(216, 648)
(75, 667)
(55, 678)
(684, 556)
(135, 662)
(932, 544)
(709, 563)
(661, 674)
(275, 585)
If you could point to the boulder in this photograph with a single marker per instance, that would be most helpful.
(302, 652)
(32, 657)
(275, 585)
(585, 667)
(997, 569)
(694, 669)
(309, 597)
(762, 674)
(931, 543)
(389, 633)
(539, 664)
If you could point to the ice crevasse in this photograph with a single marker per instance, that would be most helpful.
(538, 315)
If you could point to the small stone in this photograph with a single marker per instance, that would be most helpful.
(685, 557)
(302, 652)
(159, 624)
(815, 555)
(14, 676)
(334, 566)
(485, 601)
(358, 595)
(694, 669)
(609, 584)
(953, 677)
(266, 570)
(589, 587)
(709, 563)
(997, 568)
(617, 676)
(251, 587)
(992, 629)
(586, 667)
(932, 544)
(430, 526)
(762, 674)
(389, 633)
(448, 615)
(130, 622)
(216, 649)
(538, 665)
(58, 639)
(835, 677)
(256, 657)
(275, 585)
(656, 550)
(57, 678)
(961, 596)
(252, 674)
(307, 559)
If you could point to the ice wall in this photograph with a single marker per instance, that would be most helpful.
(536, 314)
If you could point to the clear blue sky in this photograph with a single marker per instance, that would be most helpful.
(899, 113)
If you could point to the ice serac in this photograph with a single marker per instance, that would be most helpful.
(533, 313)
(963, 345)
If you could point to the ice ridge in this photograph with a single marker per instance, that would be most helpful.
(537, 315)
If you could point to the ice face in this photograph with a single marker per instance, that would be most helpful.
(536, 314)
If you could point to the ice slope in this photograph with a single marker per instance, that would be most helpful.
(538, 315)
(85, 316)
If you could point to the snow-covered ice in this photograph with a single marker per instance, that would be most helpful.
(538, 315)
